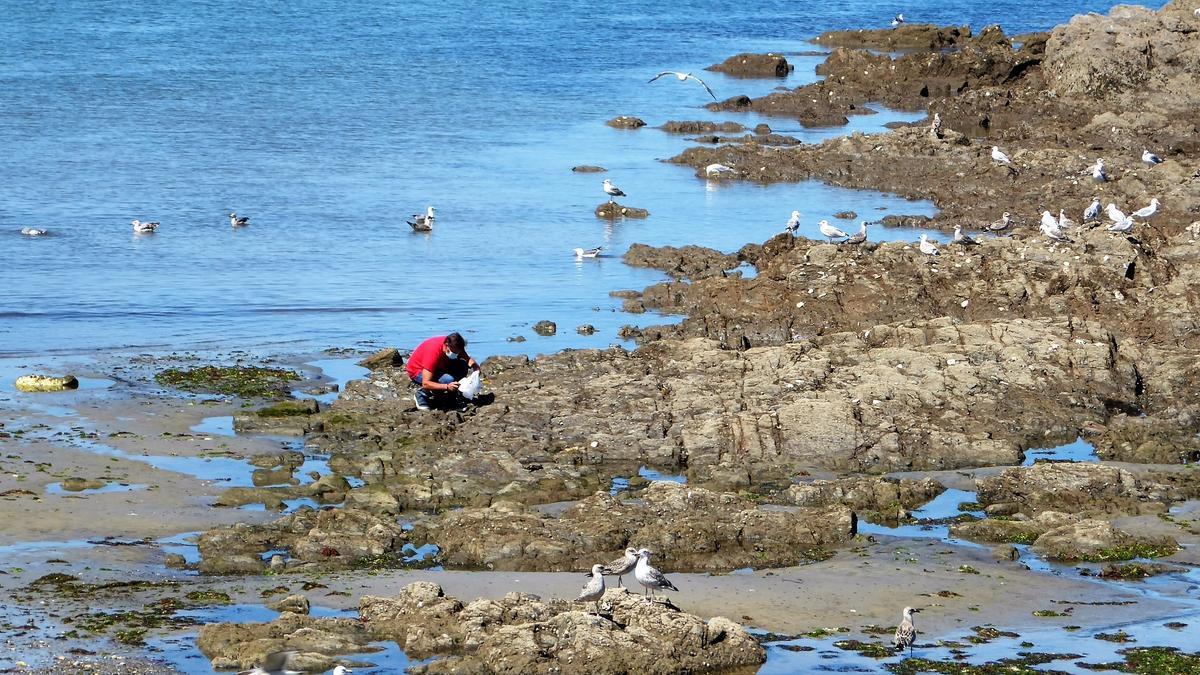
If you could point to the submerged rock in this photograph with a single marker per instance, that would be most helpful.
(614, 210)
(524, 634)
(545, 328)
(35, 383)
(626, 122)
(753, 65)
(701, 127)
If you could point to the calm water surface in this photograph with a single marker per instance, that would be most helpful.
(329, 122)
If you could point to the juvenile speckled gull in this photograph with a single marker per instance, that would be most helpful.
(860, 236)
(963, 239)
(927, 247)
(593, 590)
(234, 221)
(830, 232)
(793, 224)
(1150, 158)
(274, 663)
(906, 632)
(683, 77)
(1092, 212)
(1000, 156)
(422, 223)
(650, 578)
(612, 190)
(1002, 224)
(1146, 211)
(623, 565)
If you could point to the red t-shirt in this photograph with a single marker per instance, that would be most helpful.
(428, 356)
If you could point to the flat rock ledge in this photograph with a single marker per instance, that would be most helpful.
(524, 634)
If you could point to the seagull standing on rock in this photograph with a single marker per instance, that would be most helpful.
(927, 247)
(793, 225)
(684, 77)
(830, 232)
(612, 190)
(593, 590)
(1147, 211)
(963, 239)
(906, 632)
(1092, 212)
(1050, 227)
(1114, 214)
(649, 577)
(935, 127)
(860, 236)
(275, 663)
(1064, 222)
(623, 565)
(1003, 224)
(1000, 157)
(1098, 173)
(1122, 226)
(1150, 158)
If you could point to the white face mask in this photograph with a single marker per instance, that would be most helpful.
(452, 356)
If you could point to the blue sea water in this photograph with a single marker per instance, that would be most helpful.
(330, 122)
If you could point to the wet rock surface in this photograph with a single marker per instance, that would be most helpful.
(626, 122)
(909, 36)
(524, 634)
(613, 210)
(754, 65)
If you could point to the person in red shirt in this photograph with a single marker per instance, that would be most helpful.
(436, 366)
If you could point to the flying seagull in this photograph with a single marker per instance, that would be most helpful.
(683, 77)
(1146, 211)
(593, 590)
(581, 253)
(793, 225)
(1000, 156)
(830, 232)
(1150, 158)
(897, 21)
(274, 663)
(906, 632)
(143, 228)
(927, 247)
(422, 223)
(649, 577)
(234, 221)
(1092, 212)
(612, 190)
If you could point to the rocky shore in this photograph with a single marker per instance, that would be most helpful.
(805, 414)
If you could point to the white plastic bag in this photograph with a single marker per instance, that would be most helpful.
(470, 385)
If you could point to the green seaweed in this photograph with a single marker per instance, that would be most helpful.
(874, 650)
(241, 381)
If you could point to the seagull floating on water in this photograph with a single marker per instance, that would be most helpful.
(623, 565)
(650, 578)
(1092, 212)
(274, 663)
(1002, 224)
(1150, 158)
(906, 632)
(927, 247)
(793, 225)
(1098, 173)
(612, 190)
(717, 169)
(581, 253)
(143, 228)
(1146, 211)
(422, 223)
(683, 77)
(860, 236)
(593, 590)
(32, 232)
(896, 22)
(234, 221)
(963, 239)
(1000, 156)
(341, 670)
(830, 232)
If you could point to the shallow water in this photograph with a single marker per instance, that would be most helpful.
(328, 123)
